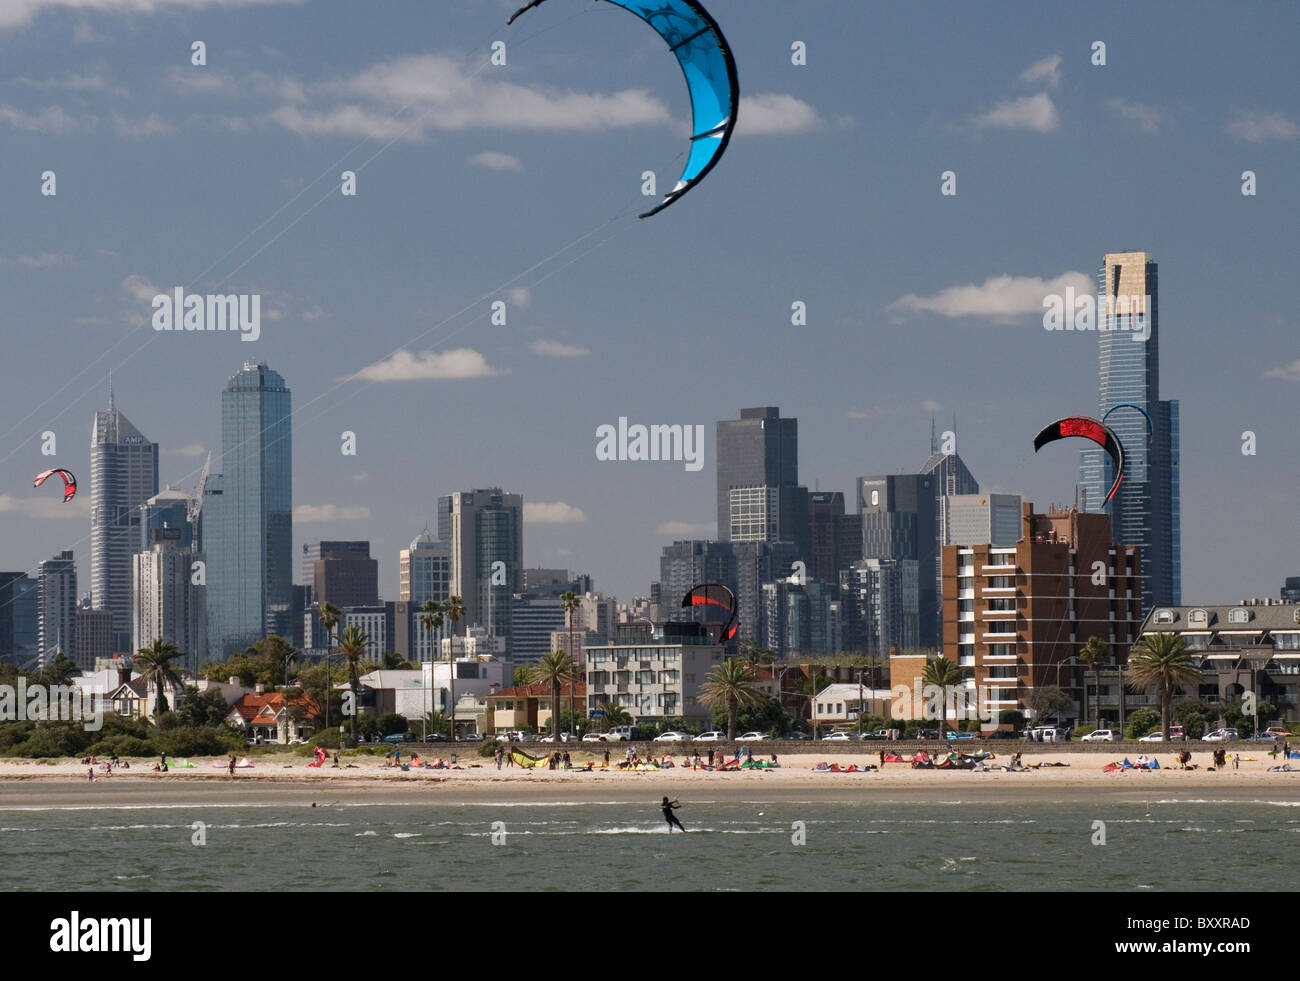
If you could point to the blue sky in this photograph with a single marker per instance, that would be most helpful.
(473, 177)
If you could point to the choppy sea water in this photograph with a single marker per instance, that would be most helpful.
(1161, 845)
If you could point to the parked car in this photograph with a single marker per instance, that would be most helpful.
(712, 736)
(623, 734)
(1150, 737)
(885, 734)
(564, 738)
(954, 734)
(752, 737)
(400, 737)
(1003, 734)
(594, 737)
(469, 737)
(1101, 736)
(672, 737)
(1220, 736)
(926, 734)
(839, 737)
(796, 735)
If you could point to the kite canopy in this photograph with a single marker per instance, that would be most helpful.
(694, 37)
(715, 594)
(69, 482)
(1088, 428)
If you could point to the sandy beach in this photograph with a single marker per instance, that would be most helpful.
(285, 778)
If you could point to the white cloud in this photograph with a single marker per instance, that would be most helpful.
(72, 82)
(554, 349)
(1032, 112)
(875, 412)
(1287, 372)
(1257, 127)
(139, 288)
(402, 365)
(46, 507)
(1146, 117)
(1044, 70)
(520, 296)
(200, 81)
(311, 513)
(42, 260)
(930, 405)
(491, 160)
(50, 121)
(410, 97)
(554, 513)
(190, 449)
(771, 113)
(150, 125)
(685, 528)
(999, 297)
(19, 13)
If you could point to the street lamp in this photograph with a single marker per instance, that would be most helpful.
(859, 704)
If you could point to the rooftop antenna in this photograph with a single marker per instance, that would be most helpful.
(110, 389)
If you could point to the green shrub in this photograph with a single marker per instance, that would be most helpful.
(121, 745)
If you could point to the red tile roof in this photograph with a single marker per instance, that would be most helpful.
(538, 691)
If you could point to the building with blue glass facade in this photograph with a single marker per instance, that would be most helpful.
(248, 515)
(1145, 509)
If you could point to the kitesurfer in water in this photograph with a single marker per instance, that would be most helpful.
(669, 816)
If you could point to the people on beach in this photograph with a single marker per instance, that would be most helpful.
(90, 774)
(497, 756)
(668, 808)
(606, 757)
(336, 761)
(232, 764)
(1236, 761)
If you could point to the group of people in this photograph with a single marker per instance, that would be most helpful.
(91, 762)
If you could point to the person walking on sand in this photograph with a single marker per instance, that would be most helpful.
(606, 757)
(498, 755)
(668, 808)
(1236, 761)
(232, 764)
(90, 774)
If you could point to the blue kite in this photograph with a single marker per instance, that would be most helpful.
(694, 37)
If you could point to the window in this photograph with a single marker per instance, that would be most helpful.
(1287, 641)
(1164, 616)
(1001, 582)
(965, 582)
(1002, 606)
(965, 606)
(645, 677)
(1198, 616)
(1239, 615)
(1001, 650)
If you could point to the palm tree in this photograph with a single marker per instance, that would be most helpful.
(571, 604)
(432, 617)
(1163, 661)
(329, 617)
(731, 684)
(353, 647)
(155, 666)
(1094, 654)
(453, 610)
(553, 669)
(947, 676)
(616, 715)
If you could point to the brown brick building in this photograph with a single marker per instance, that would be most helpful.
(1019, 615)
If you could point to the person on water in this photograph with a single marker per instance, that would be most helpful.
(669, 816)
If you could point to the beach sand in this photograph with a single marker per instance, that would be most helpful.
(285, 778)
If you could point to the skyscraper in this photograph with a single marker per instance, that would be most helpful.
(249, 538)
(168, 604)
(57, 607)
(951, 478)
(18, 620)
(1145, 508)
(123, 475)
(485, 530)
(899, 521)
(759, 497)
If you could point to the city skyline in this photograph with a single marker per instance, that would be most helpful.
(917, 304)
